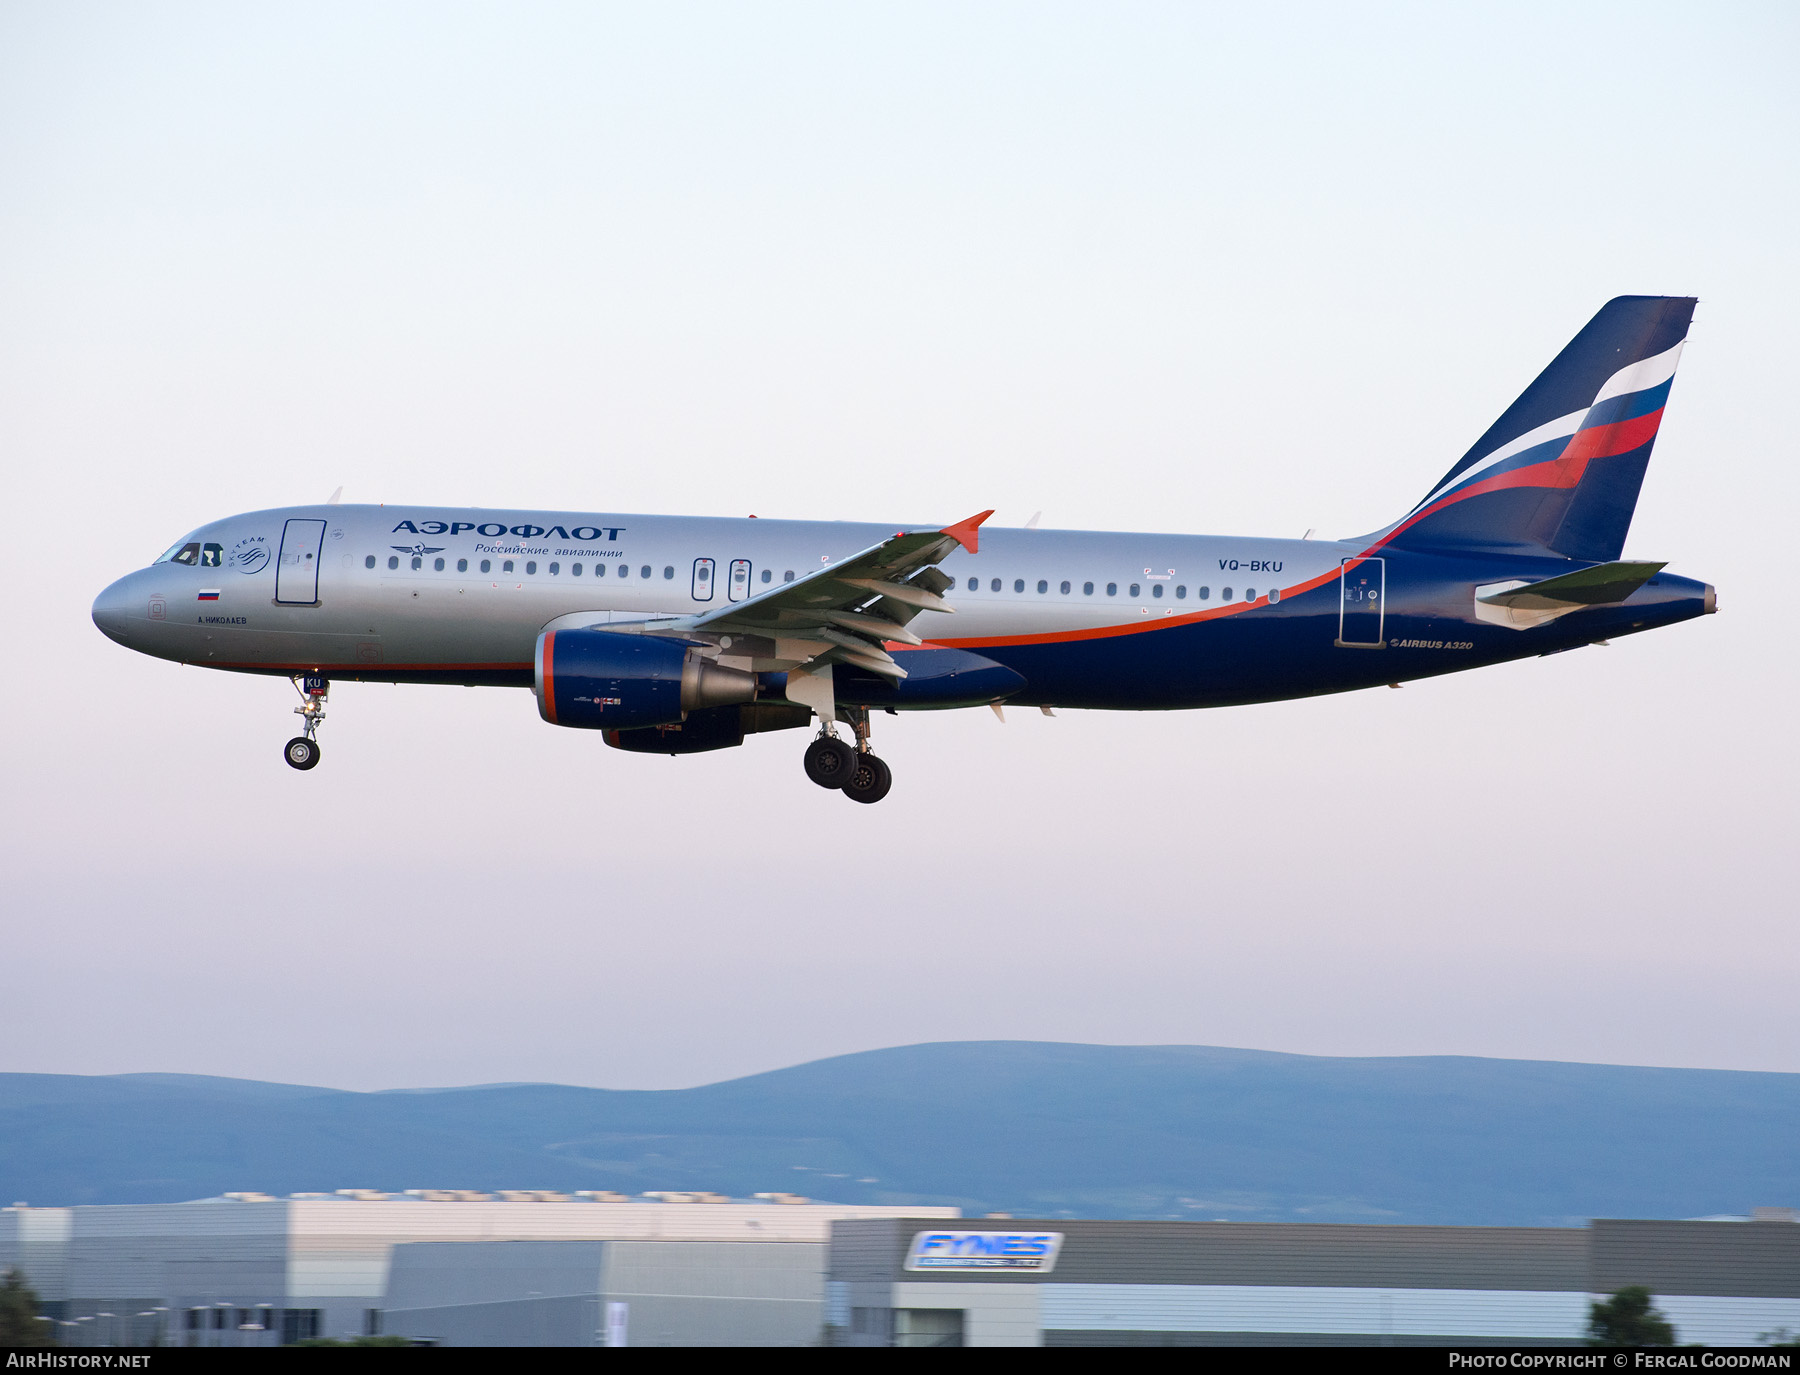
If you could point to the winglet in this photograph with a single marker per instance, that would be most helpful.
(965, 532)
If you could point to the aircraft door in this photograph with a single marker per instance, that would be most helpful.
(739, 586)
(703, 580)
(1362, 604)
(297, 566)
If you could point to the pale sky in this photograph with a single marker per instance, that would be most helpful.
(1224, 269)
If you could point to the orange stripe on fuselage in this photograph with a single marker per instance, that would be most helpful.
(1104, 632)
(1108, 632)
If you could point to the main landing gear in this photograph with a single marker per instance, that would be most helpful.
(302, 752)
(831, 763)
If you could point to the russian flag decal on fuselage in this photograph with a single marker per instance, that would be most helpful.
(209, 594)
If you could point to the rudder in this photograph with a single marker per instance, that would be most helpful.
(1560, 471)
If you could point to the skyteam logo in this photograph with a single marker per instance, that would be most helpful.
(1010, 1251)
(250, 554)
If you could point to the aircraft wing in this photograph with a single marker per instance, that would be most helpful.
(843, 613)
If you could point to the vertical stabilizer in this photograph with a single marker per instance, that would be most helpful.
(1559, 472)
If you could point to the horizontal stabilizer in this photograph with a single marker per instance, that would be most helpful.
(1596, 586)
(1522, 605)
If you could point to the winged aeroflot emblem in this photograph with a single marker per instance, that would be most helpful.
(417, 549)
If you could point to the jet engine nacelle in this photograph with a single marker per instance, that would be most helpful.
(601, 680)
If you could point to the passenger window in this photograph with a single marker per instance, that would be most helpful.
(438, 565)
(1225, 595)
(1156, 590)
(462, 565)
(669, 571)
(1043, 586)
(487, 565)
(1249, 594)
(1018, 584)
(393, 560)
(417, 563)
(507, 567)
(574, 570)
(555, 568)
(369, 562)
(994, 586)
(1181, 592)
(1134, 589)
(768, 575)
(788, 576)
(1205, 594)
(974, 584)
(1087, 589)
(530, 566)
(624, 570)
(1112, 589)
(211, 556)
(644, 572)
(599, 570)
(1065, 589)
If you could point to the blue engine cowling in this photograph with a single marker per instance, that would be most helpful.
(601, 680)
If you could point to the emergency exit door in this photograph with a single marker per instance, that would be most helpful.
(739, 586)
(1362, 603)
(297, 566)
(703, 580)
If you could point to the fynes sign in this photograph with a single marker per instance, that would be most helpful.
(985, 1251)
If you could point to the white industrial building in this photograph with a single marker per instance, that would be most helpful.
(252, 1270)
(547, 1269)
(622, 1293)
(898, 1282)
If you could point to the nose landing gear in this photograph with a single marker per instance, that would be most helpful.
(858, 773)
(302, 752)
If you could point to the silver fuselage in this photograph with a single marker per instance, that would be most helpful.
(434, 594)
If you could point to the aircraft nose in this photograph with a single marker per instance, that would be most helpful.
(110, 613)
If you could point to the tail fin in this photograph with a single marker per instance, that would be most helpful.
(1560, 471)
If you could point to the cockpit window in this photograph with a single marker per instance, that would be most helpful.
(211, 555)
(187, 552)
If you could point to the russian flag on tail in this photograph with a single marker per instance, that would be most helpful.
(1560, 471)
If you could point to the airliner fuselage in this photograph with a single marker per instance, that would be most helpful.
(1086, 619)
(677, 634)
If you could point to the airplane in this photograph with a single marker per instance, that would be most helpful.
(679, 635)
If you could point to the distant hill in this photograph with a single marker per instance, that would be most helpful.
(1026, 1127)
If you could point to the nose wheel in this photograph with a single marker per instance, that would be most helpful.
(302, 752)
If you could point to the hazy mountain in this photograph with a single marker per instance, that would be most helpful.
(1026, 1127)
